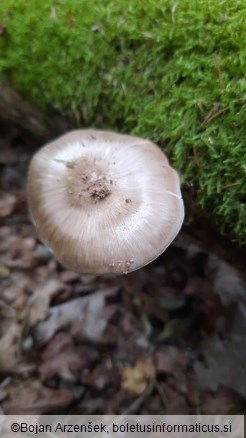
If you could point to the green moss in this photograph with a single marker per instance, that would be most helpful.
(170, 70)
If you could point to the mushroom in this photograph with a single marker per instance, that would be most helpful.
(104, 202)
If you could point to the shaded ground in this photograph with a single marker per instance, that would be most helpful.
(165, 339)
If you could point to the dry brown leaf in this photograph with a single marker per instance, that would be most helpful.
(14, 290)
(9, 348)
(10, 333)
(19, 252)
(220, 402)
(170, 358)
(38, 304)
(225, 364)
(135, 379)
(69, 276)
(101, 377)
(224, 359)
(66, 365)
(11, 360)
(88, 311)
(228, 282)
(61, 359)
(35, 399)
(7, 204)
(176, 402)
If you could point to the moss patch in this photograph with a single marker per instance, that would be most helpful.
(169, 70)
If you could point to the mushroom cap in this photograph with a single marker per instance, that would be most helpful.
(104, 202)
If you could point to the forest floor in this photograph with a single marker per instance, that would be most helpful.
(166, 339)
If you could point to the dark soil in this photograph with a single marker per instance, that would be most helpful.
(168, 338)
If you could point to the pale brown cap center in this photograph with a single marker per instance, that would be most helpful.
(87, 182)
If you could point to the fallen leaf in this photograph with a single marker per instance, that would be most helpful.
(169, 359)
(20, 253)
(11, 360)
(10, 333)
(4, 271)
(220, 402)
(69, 276)
(66, 365)
(228, 283)
(62, 359)
(135, 379)
(169, 301)
(176, 402)
(38, 304)
(224, 364)
(35, 399)
(6, 313)
(88, 311)
(10, 349)
(224, 359)
(15, 288)
(7, 204)
(101, 377)
(4, 389)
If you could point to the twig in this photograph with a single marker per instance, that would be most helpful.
(196, 157)
(212, 116)
(228, 186)
(218, 65)
(161, 393)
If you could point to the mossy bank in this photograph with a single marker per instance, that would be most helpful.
(169, 70)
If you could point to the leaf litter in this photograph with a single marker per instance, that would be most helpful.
(169, 338)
